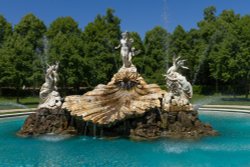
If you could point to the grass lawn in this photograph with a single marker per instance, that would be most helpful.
(26, 102)
(219, 99)
(32, 102)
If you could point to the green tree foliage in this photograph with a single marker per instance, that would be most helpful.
(32, 29)
(243, 57)
(138, 60)
(217, 51)
(66, 46)
(228, 56)
(155, 43)
(19, 52)
(178, 42)
(17, 55)
(100, 38)
(5, 32)
(5, 29)
(202, 40)
(209, 14)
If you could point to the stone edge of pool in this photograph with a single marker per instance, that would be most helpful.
(226, 108)
(16, 112)
(220, 108)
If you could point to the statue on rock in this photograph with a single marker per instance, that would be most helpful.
(127, 52)
(180, 90)
(49, 118)
(49, 96)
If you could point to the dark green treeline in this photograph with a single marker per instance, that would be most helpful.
(217, 52)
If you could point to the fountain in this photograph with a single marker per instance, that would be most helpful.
(127, 106)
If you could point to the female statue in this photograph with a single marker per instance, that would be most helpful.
(49, 97)
(126, 49)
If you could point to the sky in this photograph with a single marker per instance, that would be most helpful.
(136, 15)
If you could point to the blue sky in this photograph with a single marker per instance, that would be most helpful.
(135, 15)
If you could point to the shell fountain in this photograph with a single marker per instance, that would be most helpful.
(126, 106)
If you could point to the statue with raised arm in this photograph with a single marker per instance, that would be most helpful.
(127, 51)
(49, 96)
(180, 90)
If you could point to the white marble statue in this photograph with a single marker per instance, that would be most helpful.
(49, 96)
(180, 90)
(127, 51)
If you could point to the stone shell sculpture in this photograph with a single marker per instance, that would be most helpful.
(126, 95)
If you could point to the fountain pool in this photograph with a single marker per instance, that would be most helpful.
(231, 148)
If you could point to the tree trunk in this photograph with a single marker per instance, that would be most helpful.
(77, 88)
(247, 85)
(18, 88)
(18, 94)
(234, 91)
(216, 86)
(247, 91)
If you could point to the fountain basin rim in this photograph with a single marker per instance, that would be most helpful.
(228, 110)
(226, 106)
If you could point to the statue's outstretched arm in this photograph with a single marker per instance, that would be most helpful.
(117, 47)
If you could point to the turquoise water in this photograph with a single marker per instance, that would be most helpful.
(231, 148)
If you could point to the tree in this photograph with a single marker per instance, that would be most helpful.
(5, 29)
(243, 60)
(64, 25)
(209, 13)
(100, 37)
(66, 46)
(224, 54)
(156, 44)
(5, 32)
(32, 29)
(201, 42)
(138, 60)
(19, 53)
(178, 42)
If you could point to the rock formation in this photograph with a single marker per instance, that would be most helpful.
(46, 121)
